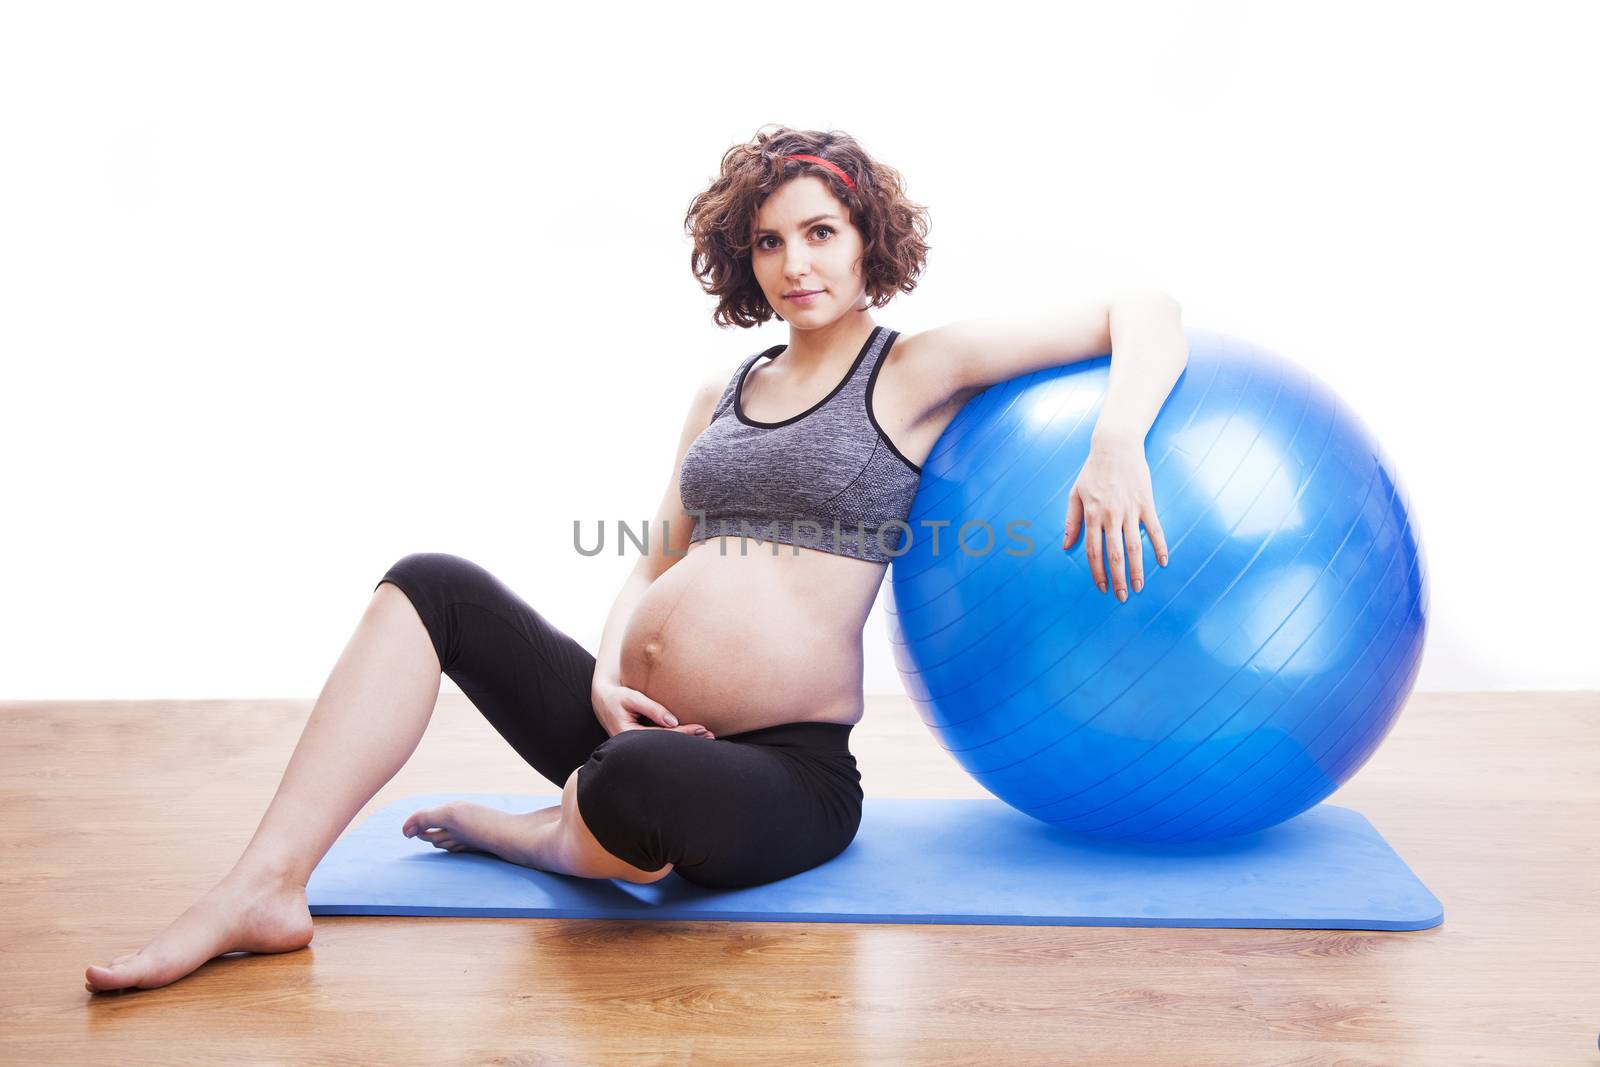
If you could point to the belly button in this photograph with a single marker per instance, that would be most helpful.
(652, 649)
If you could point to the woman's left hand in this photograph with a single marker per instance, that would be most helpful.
(1111, 497)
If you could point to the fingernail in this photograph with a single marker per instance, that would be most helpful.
(671, 720)
(1137, 586)
(1122, 595)
(1102, 586)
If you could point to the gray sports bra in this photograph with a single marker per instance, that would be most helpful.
(828, 478)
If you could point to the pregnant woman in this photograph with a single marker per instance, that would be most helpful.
(710, 735)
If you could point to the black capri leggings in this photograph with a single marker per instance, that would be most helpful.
(738, 810)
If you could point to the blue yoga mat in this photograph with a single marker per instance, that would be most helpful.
(922, 861)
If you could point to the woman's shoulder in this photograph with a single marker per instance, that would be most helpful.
(714, 389)
(918, 373)
(722, 379)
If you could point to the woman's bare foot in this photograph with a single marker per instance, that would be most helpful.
(462, 826)
(237, 915)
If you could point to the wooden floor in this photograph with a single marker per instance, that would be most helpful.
(121, 814)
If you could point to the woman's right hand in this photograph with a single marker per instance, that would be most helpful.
(619, 708)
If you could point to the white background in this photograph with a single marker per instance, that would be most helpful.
(288, 291)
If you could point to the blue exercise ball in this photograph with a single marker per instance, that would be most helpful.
(1252, 676)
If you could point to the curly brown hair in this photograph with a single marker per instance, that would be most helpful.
(721, 218)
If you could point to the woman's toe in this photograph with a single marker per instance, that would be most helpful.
(422, 820)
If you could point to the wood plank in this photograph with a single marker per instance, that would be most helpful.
(123, 813)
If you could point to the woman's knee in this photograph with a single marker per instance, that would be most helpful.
(588, 855)
(431, 581)
(428, 569)
(632, 792)
(649, 762)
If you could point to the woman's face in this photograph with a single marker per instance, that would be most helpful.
(805, 241)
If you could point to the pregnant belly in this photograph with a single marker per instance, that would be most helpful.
(739, 643)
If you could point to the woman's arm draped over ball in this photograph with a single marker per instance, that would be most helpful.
(1113, 495)
(1148, 354)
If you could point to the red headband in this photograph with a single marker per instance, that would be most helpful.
(819, 161)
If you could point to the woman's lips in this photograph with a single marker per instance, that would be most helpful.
(804, 299)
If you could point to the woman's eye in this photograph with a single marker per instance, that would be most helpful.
(761, 242)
